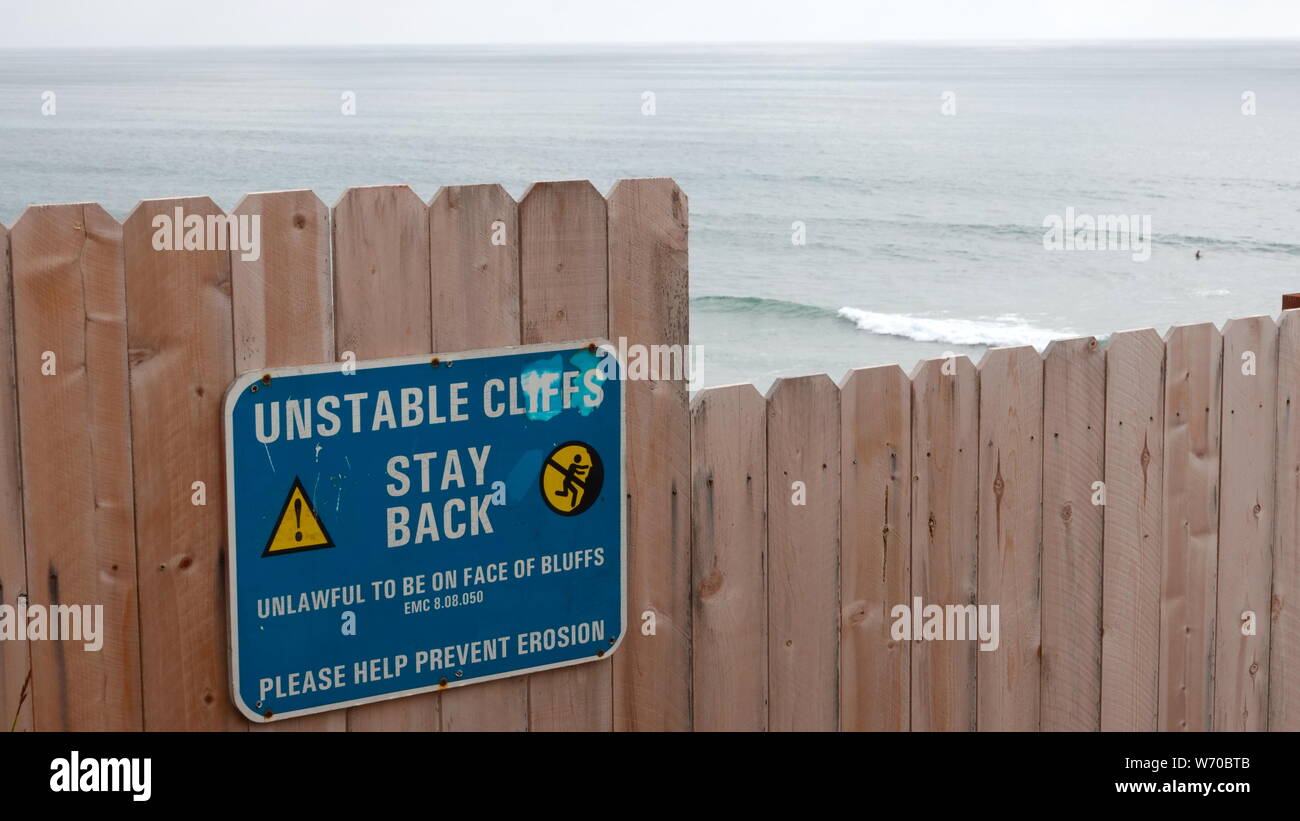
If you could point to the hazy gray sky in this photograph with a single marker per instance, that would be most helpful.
(43, 23)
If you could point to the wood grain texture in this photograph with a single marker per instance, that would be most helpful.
(649, 305)
(15, 666)
(729, 555)
(1074, 455)
(1193, 395)
(1130, 645)
(564, 262)
(803, 543)
(382, 309)
(1248, 479)
(1010, 533)
(283, 305)
(381, 265)
(475, 287)
(565, 287)
(284, 300)
(945, 528)
(876, 541)
(181, 361)
(1284, 645)
(70, 300)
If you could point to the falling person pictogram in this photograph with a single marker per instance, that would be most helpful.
(572, 475)
(573, 485)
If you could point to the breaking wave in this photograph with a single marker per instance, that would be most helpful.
(1005, 331)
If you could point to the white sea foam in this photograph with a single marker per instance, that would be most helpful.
(1004, 331)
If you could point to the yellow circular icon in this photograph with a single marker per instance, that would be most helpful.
(571, 478)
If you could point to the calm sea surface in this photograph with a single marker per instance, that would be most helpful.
(924, 231)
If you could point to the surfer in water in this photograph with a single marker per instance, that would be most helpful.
(1198, 254)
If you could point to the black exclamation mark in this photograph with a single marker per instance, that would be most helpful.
(297, 516)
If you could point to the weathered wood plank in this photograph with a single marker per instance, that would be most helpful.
(1130, 647)
(474, 255)
(284, 300)
(70, 301)
(728, 552)
(1010, 534)
(181, 359)
(945, 528)
(381, 273)
(876, 541)
(803, 538)
(1074, 453)
(1284, 647)
(15, 666)
(649, 306)
(564, 236)
(1248, 478)
(382, 309)
(1193, 400)
(474, 262)
(565, 287)
(283, 306)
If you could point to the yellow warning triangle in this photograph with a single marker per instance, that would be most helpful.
(298, 527)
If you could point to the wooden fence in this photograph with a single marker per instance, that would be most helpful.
(770, 537)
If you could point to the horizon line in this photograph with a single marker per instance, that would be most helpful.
(934, 41)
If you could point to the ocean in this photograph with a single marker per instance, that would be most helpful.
(918, 177)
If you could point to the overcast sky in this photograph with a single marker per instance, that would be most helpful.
(46, 23)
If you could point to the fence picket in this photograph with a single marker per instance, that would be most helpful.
(649, 306)
(283, 302)
(180, 350)
(1010, 513)
(70, 301)
(565, 286)
(15, 665)
(803, 543)
(284, 315)
(474, 259)
(1247, 482)
(876, 539)
(381, 309)
(729, 550)
(1284, 647)
(1193, 395)
(474, 264)
(1130, 642)
(945, 528)
(1074, 452)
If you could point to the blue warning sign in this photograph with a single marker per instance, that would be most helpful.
(414, 524)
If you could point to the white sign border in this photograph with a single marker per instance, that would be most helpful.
(244, 380)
